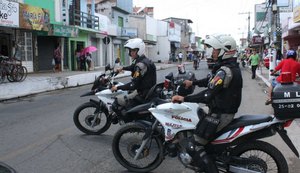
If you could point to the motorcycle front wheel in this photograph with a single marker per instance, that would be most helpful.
(126, 143)
(267, 158)
(90, 119)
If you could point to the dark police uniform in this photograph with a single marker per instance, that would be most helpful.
(143, 72)
(223, 94)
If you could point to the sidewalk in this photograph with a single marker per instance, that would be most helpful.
(49, 81)
(263, 73)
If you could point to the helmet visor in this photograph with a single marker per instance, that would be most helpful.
(214, 42)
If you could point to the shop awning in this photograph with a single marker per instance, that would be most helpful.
(88, 30)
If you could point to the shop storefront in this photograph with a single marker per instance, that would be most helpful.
(61, 35)
(32, 20)
(76, 43)
(9, 22)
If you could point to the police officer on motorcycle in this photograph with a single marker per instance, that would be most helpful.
(143, 72)
(223, 97)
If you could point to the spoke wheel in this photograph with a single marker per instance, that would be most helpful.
(90, 119)
(25, 73)
(2, 75)
(263, 156)
(126, 143)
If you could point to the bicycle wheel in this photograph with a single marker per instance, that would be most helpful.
(17, 73)
(2, 75)
(25, 73)
(10, 75)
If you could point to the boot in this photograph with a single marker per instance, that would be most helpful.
(202, 160)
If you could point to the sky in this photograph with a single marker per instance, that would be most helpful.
(208, 16)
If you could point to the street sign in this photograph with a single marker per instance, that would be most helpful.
(106, 40)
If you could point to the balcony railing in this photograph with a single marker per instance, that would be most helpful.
(85, 20)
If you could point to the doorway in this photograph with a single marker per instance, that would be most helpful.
(5, 48)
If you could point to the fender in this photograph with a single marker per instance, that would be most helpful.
(145, 124)
(90, 93)
(99, 105)
(148, 126)
(95, 102)
(287, 140)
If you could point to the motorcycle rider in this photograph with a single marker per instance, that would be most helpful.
(196, 60)
(289, 64)
(223, 97)
(143, 72)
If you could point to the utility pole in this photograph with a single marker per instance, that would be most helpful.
(248, 36)
(273, 37)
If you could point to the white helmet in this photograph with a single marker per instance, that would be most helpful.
(215, 42)
(225, 43)
(136, 43)
(230, 44)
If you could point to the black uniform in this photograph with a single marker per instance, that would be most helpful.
(223, 96)
(223, 93)
(143, 72)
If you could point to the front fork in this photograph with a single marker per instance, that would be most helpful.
(97, 112)
(146, 139)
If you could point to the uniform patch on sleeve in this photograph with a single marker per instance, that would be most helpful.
(219, 82)
(216, 81)
(136, 74)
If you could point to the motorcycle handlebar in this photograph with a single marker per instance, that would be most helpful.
(274, 74)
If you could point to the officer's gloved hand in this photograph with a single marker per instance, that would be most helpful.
(119, 70)
(177, 99)
(187, 83)
(113, 88)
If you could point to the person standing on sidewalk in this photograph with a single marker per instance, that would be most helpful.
(77, 56)
(89, 59)
(254, 60)
(57, 58)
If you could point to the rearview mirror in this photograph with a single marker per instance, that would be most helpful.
(170, 76)
(107, 67)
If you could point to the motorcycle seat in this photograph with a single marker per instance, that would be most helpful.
(246, 120)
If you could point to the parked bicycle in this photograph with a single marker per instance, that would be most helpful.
(12, 69)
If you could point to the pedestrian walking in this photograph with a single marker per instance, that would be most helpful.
(89, 59)
(180, 57)
(254, 61)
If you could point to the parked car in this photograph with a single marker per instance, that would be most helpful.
(267, 61)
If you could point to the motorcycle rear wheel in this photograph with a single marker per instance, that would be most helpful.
(270, 157)
(85, 120)
(127, 141)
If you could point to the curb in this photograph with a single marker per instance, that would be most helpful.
(39, 84)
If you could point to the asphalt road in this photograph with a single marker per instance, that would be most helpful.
(38, 133)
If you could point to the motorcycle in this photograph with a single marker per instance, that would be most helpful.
(236, 148)
(96, 116)
(196, 63)
(173, 85)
